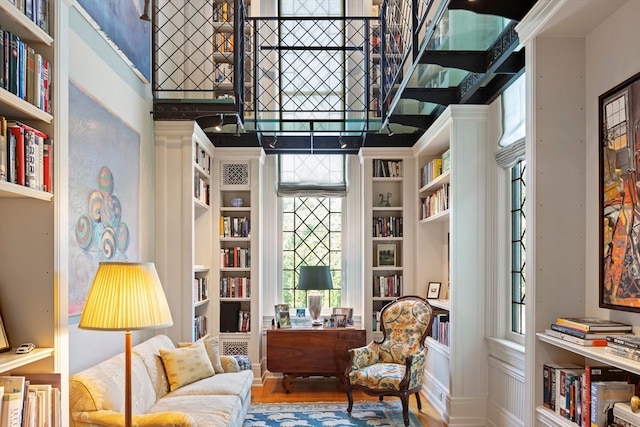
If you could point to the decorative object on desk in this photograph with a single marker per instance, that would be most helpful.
(339, 320)
(4, 341)
(635, 404)
(384, 200)
(277, 309)
(347, 311)
(315, 278)
(126, 296)
(284, 319)
(329, 323)
(386, 255)
(301, 312)
(433, 291)
(619, 202)
(237, 202)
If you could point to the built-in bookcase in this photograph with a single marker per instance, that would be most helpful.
(237, 312)
(388, 224)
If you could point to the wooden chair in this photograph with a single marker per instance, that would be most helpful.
(394, 365)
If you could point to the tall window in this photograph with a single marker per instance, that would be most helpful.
(311, 190)
(518, 246)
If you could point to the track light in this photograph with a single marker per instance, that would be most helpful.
(343, 143)
(217, 124)
(273, 143)
(145, 12)
(389, 131)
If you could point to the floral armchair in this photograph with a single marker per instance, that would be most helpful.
(394, 365)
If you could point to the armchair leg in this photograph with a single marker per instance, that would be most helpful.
(350, 399)
(405, 409)
(418, 402)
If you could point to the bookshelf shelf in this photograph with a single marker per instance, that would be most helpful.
(445, 178)
(550, 418)
(14, 107)
(9, 190)
(439, 217)
(443, 304)
(437, 347)
(10, 360)
(17, 22)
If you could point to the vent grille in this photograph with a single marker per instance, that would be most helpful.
(234, 348)
(235, 174)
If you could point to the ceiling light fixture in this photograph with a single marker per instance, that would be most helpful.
(273, 143)
(389, 131)
(217, 126)
(343, 142)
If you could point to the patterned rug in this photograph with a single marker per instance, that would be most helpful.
(381, 414)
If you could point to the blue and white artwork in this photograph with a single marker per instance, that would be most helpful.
(104, 192)
(120, 21)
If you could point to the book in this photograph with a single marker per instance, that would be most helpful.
(4, 150)
(603, 395)
(564, 378)
(584, 335)
(12, 400)
(602, 342)
(631, 341)
(591, 324)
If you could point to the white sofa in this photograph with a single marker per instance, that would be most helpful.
(220, 397)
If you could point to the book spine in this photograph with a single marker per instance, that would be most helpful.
(569, 331)
(4, 152)
(621, 340)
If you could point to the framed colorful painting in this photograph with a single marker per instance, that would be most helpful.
(619, 137)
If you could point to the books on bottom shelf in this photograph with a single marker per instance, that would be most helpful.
(440, 328)
(31, 399)
(604, 394)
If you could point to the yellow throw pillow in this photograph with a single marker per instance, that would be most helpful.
(185, 365)
(212, 345)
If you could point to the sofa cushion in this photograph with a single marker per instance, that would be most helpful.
(237, 383)
(101, 387)
(206, 410)
(185, 365)
(149, 353)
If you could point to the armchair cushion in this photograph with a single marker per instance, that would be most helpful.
(379, 376)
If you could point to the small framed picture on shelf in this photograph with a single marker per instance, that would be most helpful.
(301, 312)
(284, 320)
(329, 323)
(347, 311)
(433, 291)
(387, 255)
(4, 341)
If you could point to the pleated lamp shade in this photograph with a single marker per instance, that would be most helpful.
(126, 296)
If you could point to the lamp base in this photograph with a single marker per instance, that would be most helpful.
(314, 302)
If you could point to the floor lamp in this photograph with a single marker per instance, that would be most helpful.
(315, 278)
(126, 296)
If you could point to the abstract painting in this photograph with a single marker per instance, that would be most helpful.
(104, 192)
(120, 21)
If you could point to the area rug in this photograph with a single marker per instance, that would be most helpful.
(385, 413)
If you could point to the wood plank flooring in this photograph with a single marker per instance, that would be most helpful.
(330, 390)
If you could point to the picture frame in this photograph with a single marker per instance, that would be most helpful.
(339, 320)
(386, 255)
(279, 308)
(347, 311)
(4, 340)
(284, 319)
(619, 134)
(301, 312)
(433, 290)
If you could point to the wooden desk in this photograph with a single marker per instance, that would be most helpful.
(303, 352)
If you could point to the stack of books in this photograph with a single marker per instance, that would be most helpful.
(624, 345)
(587, 331)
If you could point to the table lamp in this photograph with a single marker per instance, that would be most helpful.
(126, 296)
(315, 278)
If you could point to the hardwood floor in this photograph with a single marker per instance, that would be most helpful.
(330, 390)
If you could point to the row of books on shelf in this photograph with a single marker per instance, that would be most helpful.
(200, 326)
(235, 287)
(200, 289)
(435, 203)
(30, 400)
(375, 322)
(235, 257)
(440, 328)
(223, 12)
(235, 226)
(589, 331)
(387, 286)
(25, 155)
(202, 159)
(244, 321)
(223, 42)
(584, 394)
(383, 168)
(223, 73)
(387, 226)
(25, 72)
(201, 189)
(37, 11)
(434, 169)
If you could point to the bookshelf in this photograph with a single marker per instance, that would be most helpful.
(387, 230)
(449, 250)
(28, 249)
(184, 157)
(237, 311)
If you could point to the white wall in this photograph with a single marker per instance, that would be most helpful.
(99, 70)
